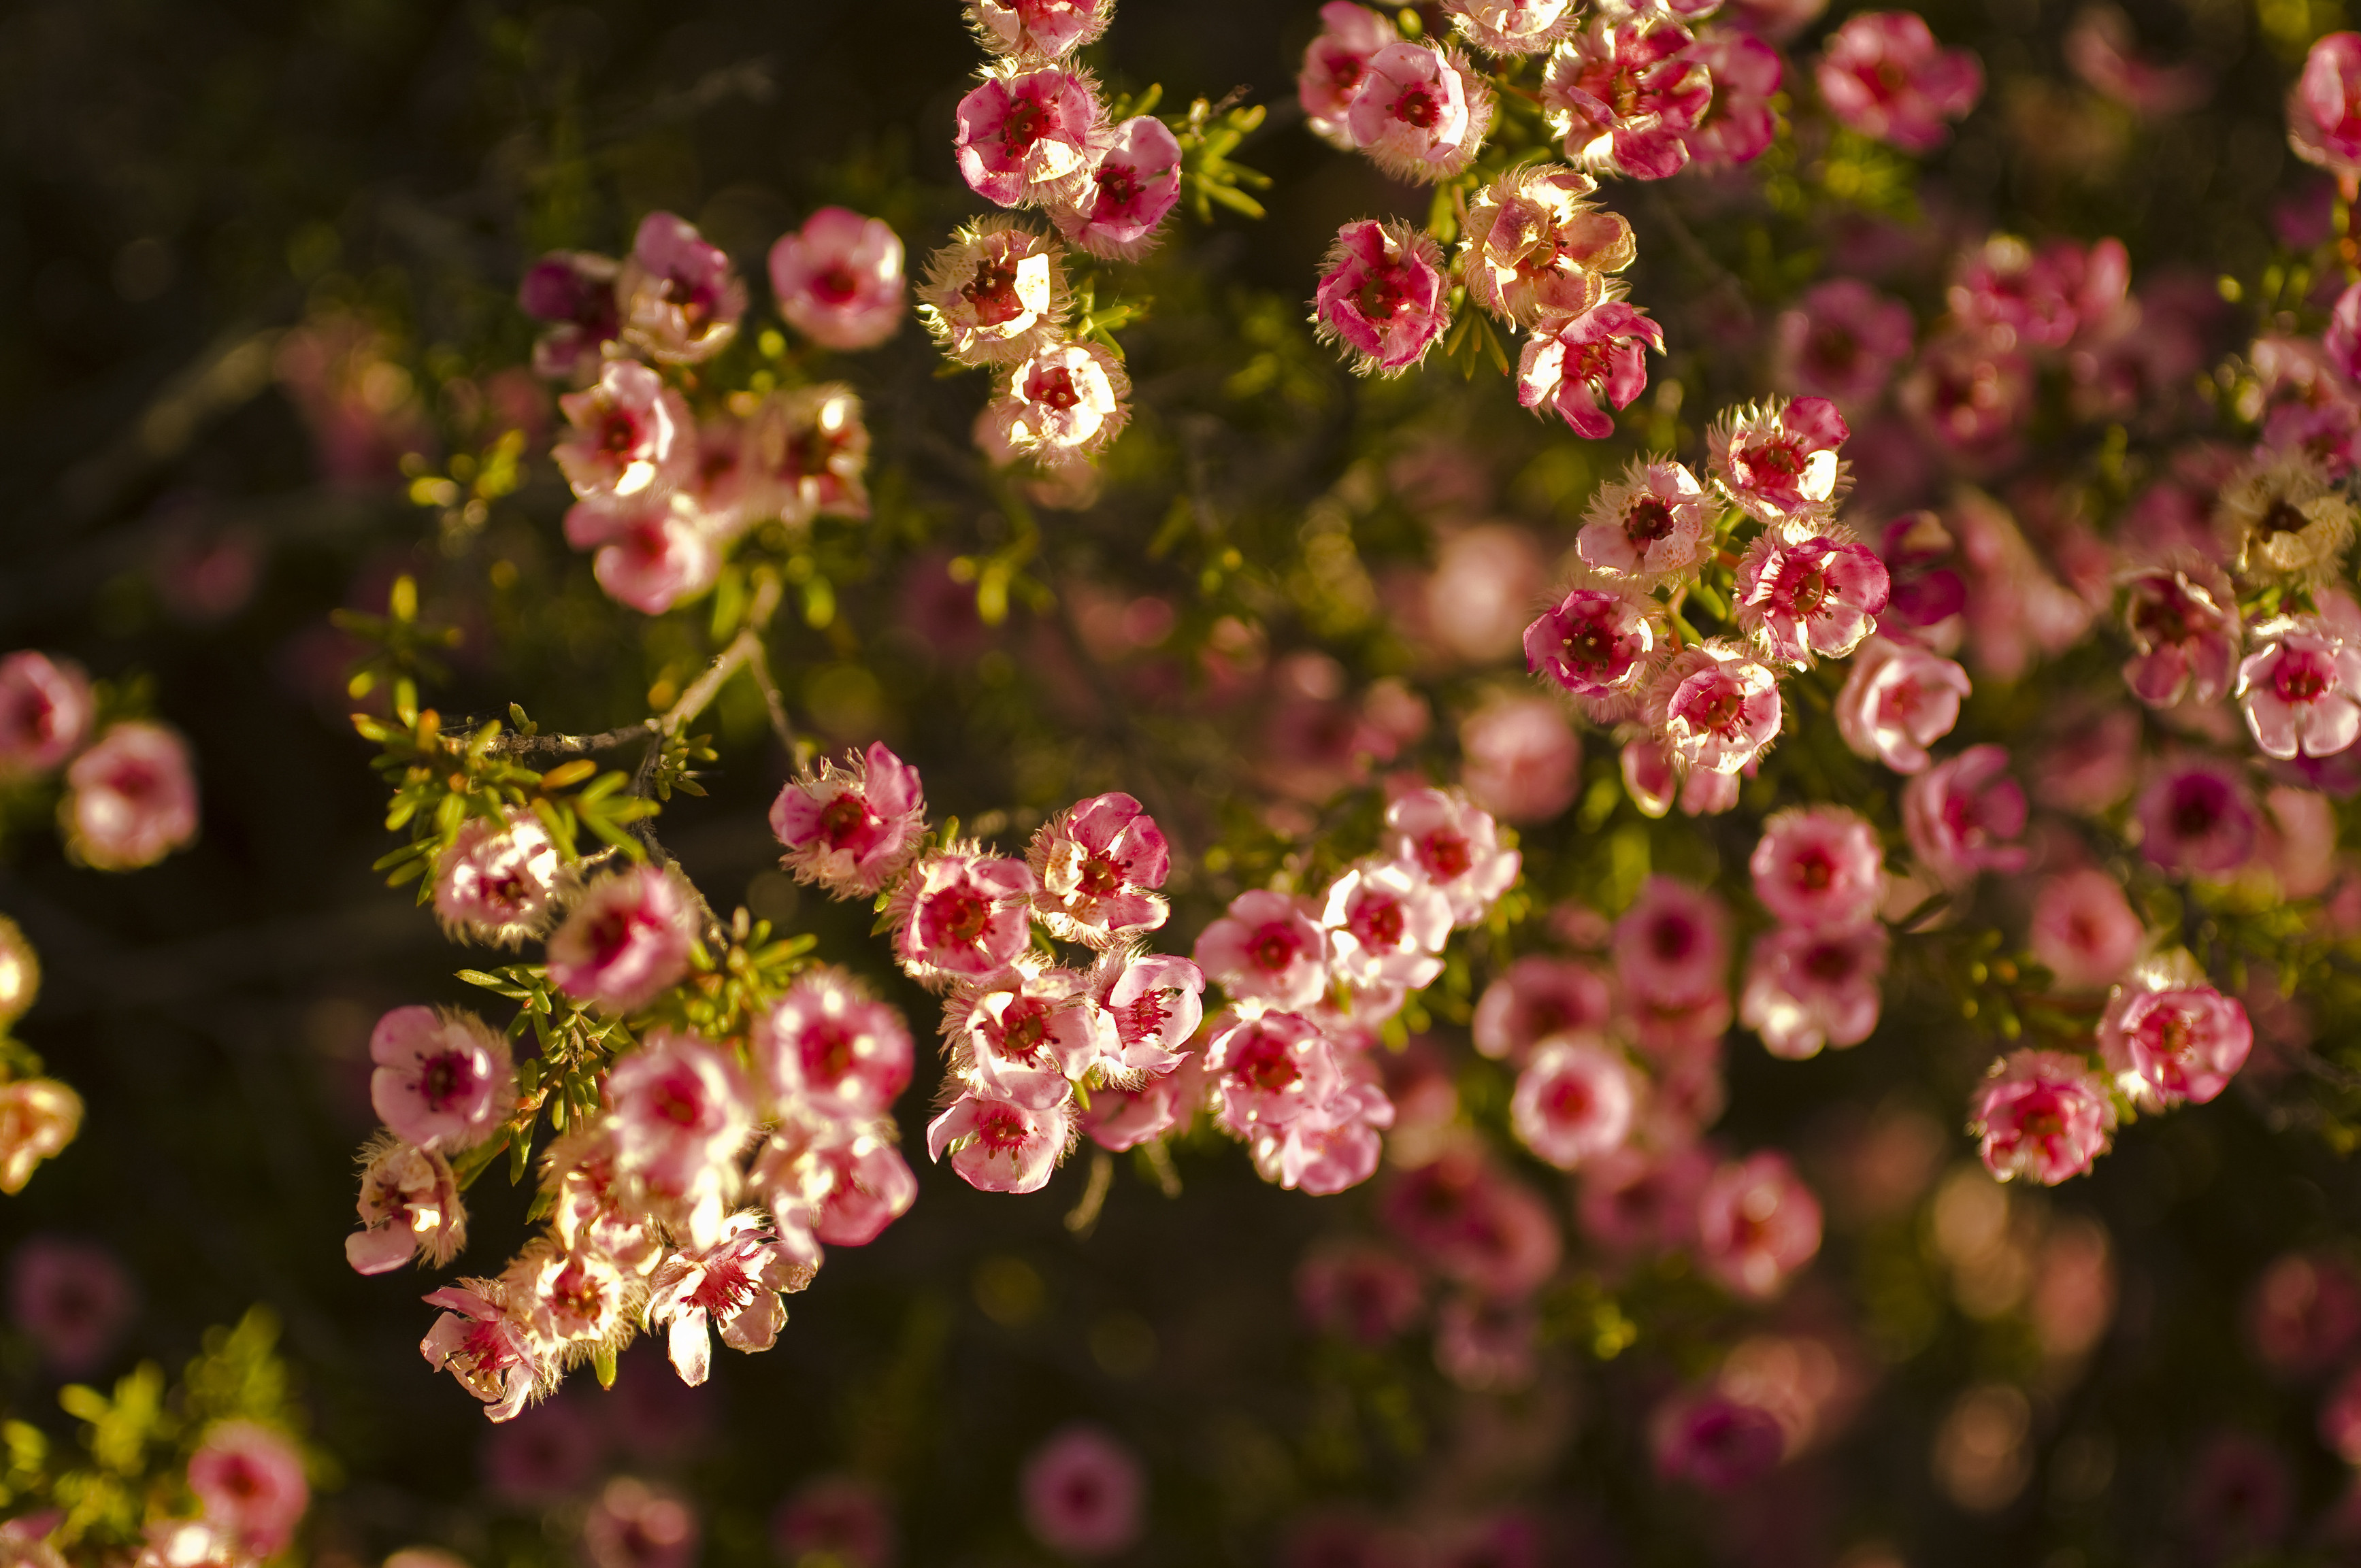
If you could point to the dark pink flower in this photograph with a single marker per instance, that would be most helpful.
(635, 1524)
(626, 939)
(960, 914)
(1623, 96)
(1714, 1442)
(1098, 863)
(1817, 594)
(1716, 707)
(2184, 628)
(1641, 1199)
(1475, 1224)
(1084, 1494)
(1514, 26)
(1023, 1032)
(2301, 687)
(843, 1517)
(1535, 248)
(1575, 1099)
(1117, 209)
(2197, 818)
(409, 1207)
(1358, 1291)
(1757, 1224)
(1969, 395)
(1778, 460)
(1595, 643)
(1535, 998)
(632, 435)
(72, 1299)
(1035, 29)
(1268, 948)
(1843, 340)
(2303, 1313)
(1806, 989)
(2043, 1115)
(2324, 107)
(442, 1079)
(1738, 125)
(573, 290)
(1884, 75)
(1030, 136)
(828, 1048)
(45, 712)
(1671, 946)
(1001, 1145)
(1961, 814)
(249, 1484)
(2084, 930)
(1819, 867)
(1419, 111)
(131, 799)
(1651, 523)
(2184, 1042)
(1569, 366)
(681, 299)
(1382, 296)
(656, 549)
(838, 279)
(1333, 64)
(852, 829)
(1897, 701)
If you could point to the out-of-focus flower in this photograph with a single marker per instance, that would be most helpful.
(1037, 29)
(1419, 111)
(1514, 26)
(994, 294)
(1358, 1291)
(804, 454)
(1898, 700)
(1474, 1224)
(1671, 946)
(2303, 1313)
(827, 1046)
(1387, 926)
(1575, 1099)
(2183, 1043)
(1757, 1224)
(1652, 522)
(1778, 460)
(1537, 997)
(838, 279)
(1458, 845)
(1595, 643)
(574, 291)
(1623, 96)
(249, 1482)
(2102, 49)
(72, 1299)
(1739, 124)
(2084, 930)
(1335, 63)
(844, 1518)
(1267, 948)
(1027, 136)
(2324, 107)
(1819, 867)
(636, 1524)
(45, 712)
(1484, 1345)
(1970, 396)
(961, 913)
(1382, 296)
(1843, 341)
(626, 939)
(1806, 989)
(496, 882)
(1802, 595)
(1130, 190)
(1884, 75)
(1715, 1442)
(632, 434)
(1570, 365)
(1066, 401)
(1960, 814)
(410, 1207)
(1000, 1145)
(2197, 818)
(443, 1079)
(1716, 707)
(1638, 1200)
(655, 549)
(2043, 1115)
(2283, 520)
(1522, 761)
(2184, 628)
(852, 829)
(1084, 1494)
(131, 799)
(680, 298)
(1536, 246)
(2301, 687)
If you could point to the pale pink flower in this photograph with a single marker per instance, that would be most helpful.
(2324, 107)
(1155, 1002)
(1778, 460)
(838, 279)
(1419, 111)
(656, 549)
(831, 1181)
(1819, 867)
(680, 298)
(45, 712)
(2044, 1115)
(1818, 594)
(1568, 364)
(1028, 135)
(593, 1206)
(678, 1100)
(1757, 1224)
(1671, 946)
(1898, 700)
(1487, 1345)
(1387, 926)
(495, 882)
(1594, 642)
(2184, 628)
(1333, 1146)
(131, 799)
(994, 294)
(1534, 246)
(1383, 296)
(1519, 759)
(844, 1519)
(1843, 340)
(632, 434)
(1267, 1070)
(732, 1286)
(2103, 49)
(830, 1048)
(573, 290)
(2301, 687)
(1882, 75)
(852, 829)
(2184, 1042)
(1129, 191)
(1120, 1120)
(486, 1344)
(1739, 124)
(1622, 95)
(1357, 1292)
(1475, 1224)
(960, 914)
(1514, 26)
(38, 1117)
(1806, 989)
(1969, 395)
(1961, 814)
(2084, 930)
(1268, 948)
(1652, 522)
(249, 1484)
(1084, 1494)
(2197, 818)
(1001, 1145)
(443, 1079)
(635, 1524)
(1712, 1440)
(72, 1299)
(1633, 1199)
(410, 1207)
(1716, 705)
(805, 454)
(1536, 997)
(1037, 29)
(1575, 1099)
(1022, 1033)
(1458, 845)
(2303, 1313)
(1066, 401)
(2092, 762)
(1335, 63)
(627, 938)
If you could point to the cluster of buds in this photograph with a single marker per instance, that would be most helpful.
(130, 796)
(38, 1115)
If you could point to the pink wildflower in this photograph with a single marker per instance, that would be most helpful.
(1652, 522)
(1155, 1002)
(1575, 1099)
(1882, 75)
(2303, 1313)
(72, 1299)
(496, 882)
(1387, 926)
(655, 549)
(1333, 1146)
(1084, 1494)
(1536, 246)
(634, 1524)
(1487, 1345)
(2197, 818)
(960, 913)
(1335, 63)
(1898, 700)
(1960, 814)
(1458, 845)
(852, 829)
(1268, 948)
(593, 1206)
(1536, 997)
(805, 454)
(1037, 29)
(1970, 396)
(681, 299)
(2324, 107)
(627, 938)
(1672, 946)
(1816, 595)
(632, 434)
(1635, 1200)
(1819, 867)
(994, 294)
(1382, 296)
(1843, 340)
(1022, 1033)
(1757, 1223)
(2301, 688)
(1130, 190)
(1000, 1145)
(1475, 1224)
(732, 1286)
(2043, 1115)
(573, 290)
(2184, 1042)
(1568, 364)
(1030, 136)
(410, 1207)
(1066, 402)
(1522, 761)
(841, 1517)
(1622, 97)
(1357, 1292)
(1738, 126)
(2184, 629)
(45, 712)
(1514, 26)
(1716, 705)
(828, 1048)
(2018, 295)
(1267, 1070)
(489, 1347)
(248, 1481)
(1594, 644)
(2084, 930)
(838, 279)
(1778, 460)
(1715, 1442)
(1419, 111)
(1806, 989)
(682, 1111)
(1120, 1120)
(831, 1182)
(443, 1079)
(131, 799)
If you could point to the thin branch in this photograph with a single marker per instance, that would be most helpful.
(562, 745)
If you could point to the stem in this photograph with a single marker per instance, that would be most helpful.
(746, 648)
(1085, 1214)
(559, 745)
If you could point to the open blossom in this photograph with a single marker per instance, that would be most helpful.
(1898, 700)
(680, 298)
(1067, 401)
(1419, 111)
(572, 1298)
(1636, 1200)
(1739, 124)
(2183, 1042)
(1267, 1070)
(1387, 926)
(410, 1208)
(1520, 758)
(1575, 1099)
(1817, 594)
(656, 549)
(2324, 107)
(1154, 1002)
(1569, 365)
(1333, 64)
(1961, 814)
(678, 1099)
(1843, 340)
(1084, 1493)
(631, 434)
(2284, 519)
(996, 293)
(804, 454)
(1778, 460)
(45, 712)
(1458, 845)
(626, 939)
(852, 829)
(591, 1206)
(1001, 1145)
(1622, 95)
(838, 279)
(1030, 136)
(497, 880)
(1128, 194)
(1382, 295)
(1037, 29)
(1536, 997)
(1716, 705)
(1514, 26)
(2301, 688)
(131, 799)
(1534, 245)
(574, 291)
(442, 1079)
(2007, 290)
(1808, 989)
(1671, 946)
(1333, 1145)
(486, 1344)
(830, 1048)
(1358, 1291)
(732, 1286)
(1594, 644)
(2197, 816)
(2084, 929)
(831, 1181)
(2043, 1115)
(1267, 948)
(1652, 522)
(1120, 1120)
(1022, 1033)
(1757, 1223)
(1715, 1442)
(2184, 628)
(248, 1482)
(961, 913)
(1819, 867)
(1884, 75)
(1474, 1224)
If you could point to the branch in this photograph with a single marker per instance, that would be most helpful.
(562, 745)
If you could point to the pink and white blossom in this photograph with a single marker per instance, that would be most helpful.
(841, 1183)
(2184, 628)
(1575, 1099)
(131, 799)
(1819, 867)
(678, 1102)
(1128, 194)
(1633, 1199)
(630, 435)
(1757, 1224)
(1037, 29)
(732, 1286)
(1065, 402)
(1594, 644)
(1022, 1033)
(851, 830)
(443, 1079)
(1155, 1002)
(593, 1204)
(1536, 997)
(996, 293)
(1843, 341)
(1514, 26)
(574, 1298)
(838, 279)
(1569, 365)
(627, 938)
(2043, 1115)
(1534, 246)
(1652, 522)
(804, 454)
(1001, 1145)
(656, 549)
(1962, 813)
(1333, 1146)
(680, 298)
(1335, 63)
(249, 1484)
(1382, 296)
(495, 882)
(1267, 1070)
(1671, 946)
(1818, 594)
(1419, 111)
(1084, 1493)
(2084, 930)
(1778, 460)
(1520, 759)
(410, 1208)
(1622, 97)
(1898, 700)
(574, 291)
(1387, 926)
(1030, 136)
(2324, 107)
(1120, 1120)
(2197, 818)
(2184, 1042)
(828, 1048)
(1806, 989)
(960, 914)
(2301, 687)
(1716, 705)
(1267, 948)
(634, 1524)
(1473, 1223)
(1882, 75)
(484, 1343)
(46, 711)
(1739, 124)
(1458, 845)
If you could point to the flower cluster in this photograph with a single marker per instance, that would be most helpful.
(130, 796)
(38, 1115)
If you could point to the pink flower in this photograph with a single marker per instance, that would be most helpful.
(1960, 814)
(2324, 107)
(1757, 1223)
(1269, 1069)
(1119, 1120)
(1333, 64)
(1475, 1224)
(2197, 818)
(1594, 644)
(1817, 595)
(961, 913)
(1067, 400)
(2006, 290)
(632, 435)
(1387, 926)
(2103, 52)
(573, 290)
(443, 1079)
(1883, 76)
(249, 1484)
(1843, 340)
(1084, 1494)
(2301, 688)
(852, 829)
(1652, 522)
(1154, 1002)
(1623, 96)
(2184, 1042)
(805, 454)
(1419, 111)
(1738, 126)
(994, 294)
(1037, 29)
(1357, 1292)
(1458, 845)
(1568, 364)
(131, 799)
(1715, 1442)
(681, 298)
(831, 1182)
(1537, 997)
(655, 549)
(1806, 989)
(71, 1300)
(2185, 630)
(496, 882)
(732, 1286)
(1778, 460)
(593, 1207)
(1486, 1345)
(2084, 930)
(1030, 136)
(489, 1347)
(1382, 296)
(635, 1524)
(826, 1046)
(1819, 867)
(839, 1517)
(1515, 27)
(2340, 341)
(1898, 700)
(1333, 1146)
(38, 1117)
(1633, 1199)
(410, 1207)
(45, 712)
(1970, 396)
(1535, 248)
(1522, 761)
(2043, 1115)
(1129, 191)
(1000, 1145)
(1671, 946)
(2303, 1313)
(1716, 706)
(838, 279)
(1268, 948)
(1022, 1033)
(678, 1100)
(1574, 1099)
(627, 938)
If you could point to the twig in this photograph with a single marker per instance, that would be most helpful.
(1085, 1214)
(560, 745)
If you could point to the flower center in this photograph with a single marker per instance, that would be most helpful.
(1446, 854)
(1274, 947)
(1382, 295)
(1647, 520)
(992, 294)
(961, 914)
(1099, 876)
(1028, 122)
(843, 819)
(838, 285)
(1417, 106)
